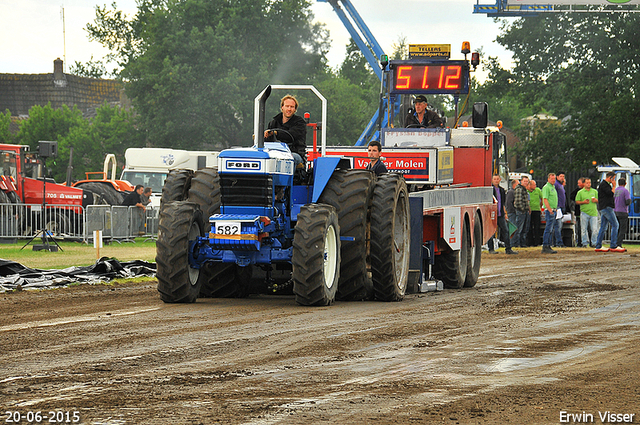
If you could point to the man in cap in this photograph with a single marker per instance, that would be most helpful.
(422, 117)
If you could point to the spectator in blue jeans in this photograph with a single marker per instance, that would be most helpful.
(521, 205)
(606, 204)
(550, 200)
(622, 199)
(562, 206)
(587, 200)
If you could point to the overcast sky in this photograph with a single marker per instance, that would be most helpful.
(32, 31)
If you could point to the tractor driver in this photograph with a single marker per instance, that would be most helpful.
(294, 126)
(422, 117)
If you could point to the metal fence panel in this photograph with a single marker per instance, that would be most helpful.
(116, 222)
(9, 221)
(25, 220)
(632, 234)
(120, 222)
(99, 218)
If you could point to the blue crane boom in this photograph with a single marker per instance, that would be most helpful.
(371, 50)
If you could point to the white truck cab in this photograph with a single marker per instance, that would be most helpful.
(150, 166)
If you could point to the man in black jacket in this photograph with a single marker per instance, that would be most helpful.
(501, 197)
(134, 199)
(606, 204)
(294, 126)
(422, 117)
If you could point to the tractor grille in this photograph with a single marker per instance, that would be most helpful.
(247, 190)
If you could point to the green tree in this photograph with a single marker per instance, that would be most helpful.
(47, 123)
(193, 67)
(92, 69)
(349, 108)
(357, 70)
(112, 130)
(583, 68)
(498, 91)
(5, 123)
(400, 49)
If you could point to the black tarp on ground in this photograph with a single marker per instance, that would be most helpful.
(14, 275)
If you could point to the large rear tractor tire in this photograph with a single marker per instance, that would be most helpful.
(349, 192)
(316, 255)
(106, 191)
(205, 191)
(451, 267)
(390, 237)
(475, 254)
(176, 186)
(180, 225)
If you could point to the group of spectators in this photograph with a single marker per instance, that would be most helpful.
(594, 210)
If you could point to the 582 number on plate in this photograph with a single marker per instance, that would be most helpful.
(228, 228)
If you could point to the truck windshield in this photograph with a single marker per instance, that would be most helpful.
(148, 179)
(636, 185)
(8, 164)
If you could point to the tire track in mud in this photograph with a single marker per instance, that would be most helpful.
(266, 360)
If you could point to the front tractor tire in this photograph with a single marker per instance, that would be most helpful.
(390, 238)
(316, 255)
(180, 225)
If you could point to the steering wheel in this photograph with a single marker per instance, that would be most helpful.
(280, 133)
(416, 126)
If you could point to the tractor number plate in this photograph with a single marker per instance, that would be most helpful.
(228, 228)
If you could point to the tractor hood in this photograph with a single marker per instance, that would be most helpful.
(273, 158)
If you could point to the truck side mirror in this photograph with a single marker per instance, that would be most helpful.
(480, 113)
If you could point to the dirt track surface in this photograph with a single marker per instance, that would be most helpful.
(537, 336)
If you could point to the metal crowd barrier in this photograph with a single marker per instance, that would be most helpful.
(118, 223)
(632, 234)
(21, 221)
(122, 224)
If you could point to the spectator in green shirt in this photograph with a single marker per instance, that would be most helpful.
(587, 198)
(550, 200)
(535, 203)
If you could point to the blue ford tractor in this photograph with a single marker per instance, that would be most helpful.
(336, 232)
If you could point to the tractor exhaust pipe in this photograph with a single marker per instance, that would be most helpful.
(261, 113)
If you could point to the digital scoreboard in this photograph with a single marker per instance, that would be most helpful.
(437, 77)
